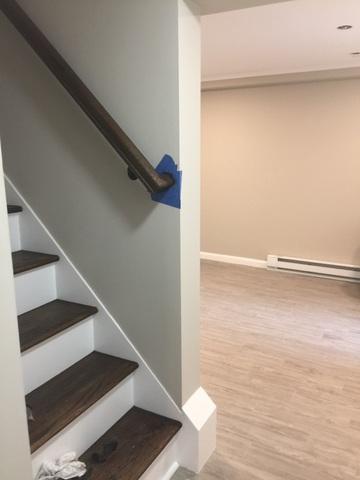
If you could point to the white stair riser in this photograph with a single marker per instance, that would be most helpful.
(51, 357)
(86, 429)
(34, 288)
(14, 228)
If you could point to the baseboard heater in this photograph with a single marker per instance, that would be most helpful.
(314, 267)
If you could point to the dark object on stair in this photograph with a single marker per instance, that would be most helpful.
(63, 398)
(14, 209)
(140, 436)
(23, 260)
(108, 448)
(50, 319)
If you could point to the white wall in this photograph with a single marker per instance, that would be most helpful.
(128, 248)
(14, 445)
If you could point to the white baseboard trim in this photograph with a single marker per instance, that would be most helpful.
(249, 262)
(256, 263)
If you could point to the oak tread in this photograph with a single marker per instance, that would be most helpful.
(24, 260)
(14, 209)
(50, 319)
(140, 437)
(66, 396)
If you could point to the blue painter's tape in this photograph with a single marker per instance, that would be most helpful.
(172, 196)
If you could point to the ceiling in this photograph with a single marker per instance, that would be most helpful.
(288, 37)
(215, 6)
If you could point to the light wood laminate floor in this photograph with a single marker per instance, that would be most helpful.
(281, 359)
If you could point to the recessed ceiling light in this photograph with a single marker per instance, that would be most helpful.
(344, 27)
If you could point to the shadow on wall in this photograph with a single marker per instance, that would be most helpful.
(62, 143)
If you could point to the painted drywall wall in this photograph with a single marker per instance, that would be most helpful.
(15, 460)
(280, 171)
(127, 247)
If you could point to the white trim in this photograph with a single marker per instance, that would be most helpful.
(256, 263)
(199, 434)
(249, 262)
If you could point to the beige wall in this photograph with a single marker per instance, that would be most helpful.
(281, 171)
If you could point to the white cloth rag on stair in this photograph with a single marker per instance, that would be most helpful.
(66, 467)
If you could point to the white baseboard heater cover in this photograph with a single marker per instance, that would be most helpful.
(326, 269)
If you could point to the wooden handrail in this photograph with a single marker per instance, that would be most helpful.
(138, 166)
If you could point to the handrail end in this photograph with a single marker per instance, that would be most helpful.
(159, 182)
(168, 181)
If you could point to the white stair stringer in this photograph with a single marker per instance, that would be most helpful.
(109, 338)
(53, 356)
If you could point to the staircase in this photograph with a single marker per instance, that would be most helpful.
(78, 398)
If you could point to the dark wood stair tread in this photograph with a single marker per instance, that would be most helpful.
(50, 319)
(136, 439)
(14, 209)
(24, 260)
(63, 398)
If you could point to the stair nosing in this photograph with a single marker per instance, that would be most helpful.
(17, 209)
(51, 258)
